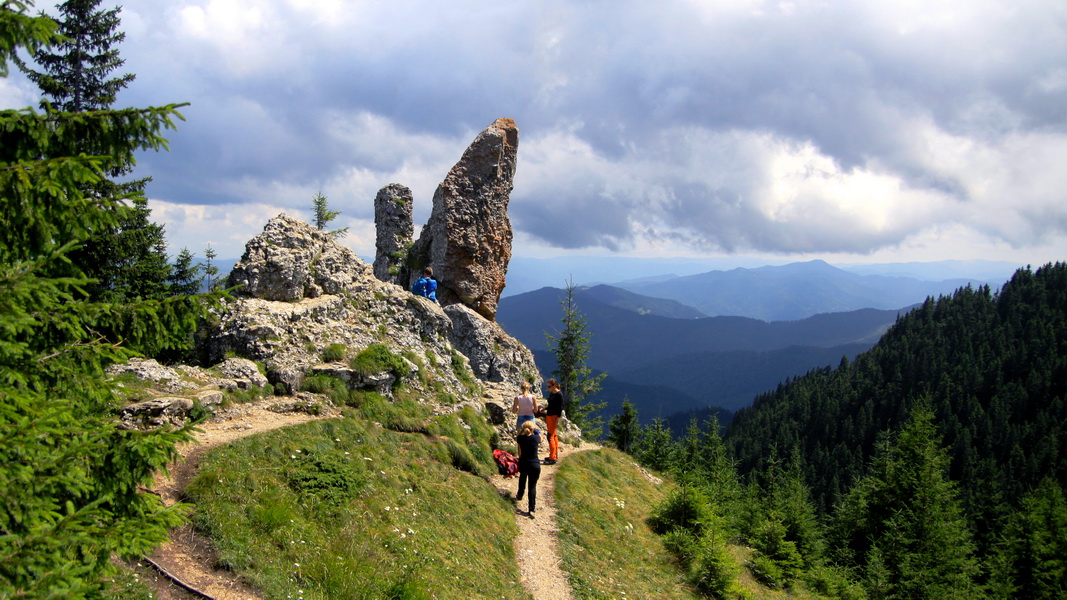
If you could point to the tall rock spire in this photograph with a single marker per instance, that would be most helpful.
(467, 239)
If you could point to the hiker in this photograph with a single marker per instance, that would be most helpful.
(425, 286)
(552, 415)
(528, 440)
(525, 405)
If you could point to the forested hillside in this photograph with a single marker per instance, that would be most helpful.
(993, 369)
(716, 361)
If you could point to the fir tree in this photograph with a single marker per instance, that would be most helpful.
(577, 382)
(323, 215)
(903, 525)
(129, 258)
(70, 479)
(623, 428)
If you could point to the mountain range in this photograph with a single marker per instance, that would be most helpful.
(794, 291)
(707, 361)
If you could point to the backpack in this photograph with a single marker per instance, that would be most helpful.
(419, 287)
(506, 464)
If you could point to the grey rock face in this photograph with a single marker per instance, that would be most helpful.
(467, 239)
(292, 260)
(395, 228)
(494, 355)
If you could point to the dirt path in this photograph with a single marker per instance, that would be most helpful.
(537, 546)
(190, 557)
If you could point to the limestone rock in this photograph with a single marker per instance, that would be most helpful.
(494, 355)
(496, 412)
(395, 228)
(467, 239)
(147, 369)
(163, 410)
(292, 260)
(243, 371)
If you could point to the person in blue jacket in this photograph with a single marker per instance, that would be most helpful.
(426, 285)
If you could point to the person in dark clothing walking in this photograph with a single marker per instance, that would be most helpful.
(552, 415)
(529, 466)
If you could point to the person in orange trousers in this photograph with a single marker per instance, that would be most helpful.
(552, 414)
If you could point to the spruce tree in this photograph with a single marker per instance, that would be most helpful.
(211, 271)
(623, 428)
(657, 449)
(185, 278)
(903, 525)
(77, 70)
(570, 345)
(71, 481)
(1032, 556)
(129, 258)
(323, 215)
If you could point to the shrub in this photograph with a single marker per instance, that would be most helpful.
(334, 353)
(377, 358)
(686, 508)
(325, 476)
(715, 571)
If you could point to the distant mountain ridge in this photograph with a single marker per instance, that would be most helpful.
(719, 361)
(794, 291)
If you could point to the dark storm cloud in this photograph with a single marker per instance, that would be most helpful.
(740, 125)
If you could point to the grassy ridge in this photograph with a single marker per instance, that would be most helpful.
(348, 509)
(392, 503)
(603, 501)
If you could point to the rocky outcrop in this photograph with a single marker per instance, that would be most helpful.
(290, 337)
(292, 260)
(494, 355)
(394, 230)
(467, 239)
(159, 395)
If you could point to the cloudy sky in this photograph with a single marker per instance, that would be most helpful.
(853, 131)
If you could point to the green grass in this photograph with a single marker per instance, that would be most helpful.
(334, 353)
(603, 502)
(345, 508)
(377, 358)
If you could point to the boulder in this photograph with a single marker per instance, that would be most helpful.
(164, 410)
(147, 369)
(394, 230)
(467, 239)
(292, 260)
(243, 371)
(494, 355)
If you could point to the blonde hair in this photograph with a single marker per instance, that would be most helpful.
(526, 387)
(526, 428)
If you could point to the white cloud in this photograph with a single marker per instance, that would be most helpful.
(763, 126)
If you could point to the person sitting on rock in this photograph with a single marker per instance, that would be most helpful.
(425, 286)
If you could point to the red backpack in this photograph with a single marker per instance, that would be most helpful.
(506, 464)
